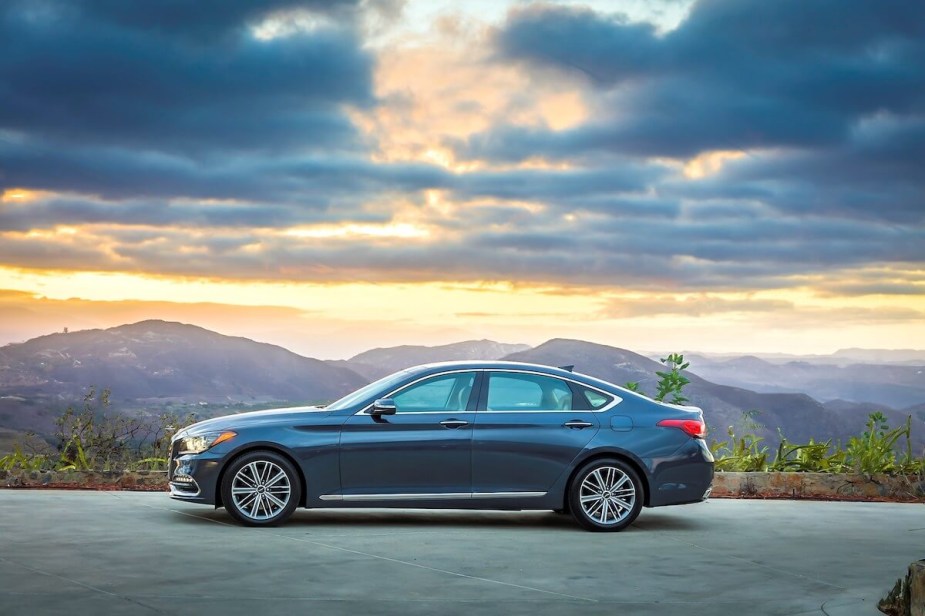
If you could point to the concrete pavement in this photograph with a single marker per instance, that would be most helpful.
(70, 552)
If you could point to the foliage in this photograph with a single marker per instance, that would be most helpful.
(30, 453)
(874, 452)
(811, 457)
(19, 459)
(672, 381)
(743, 453)
(632, 386)
(91, 438)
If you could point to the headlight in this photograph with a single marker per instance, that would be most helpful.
(201, 442)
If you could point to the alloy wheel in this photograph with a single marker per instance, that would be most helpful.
(261, 490)
(607, 495)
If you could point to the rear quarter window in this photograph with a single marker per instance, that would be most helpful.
(596, 400)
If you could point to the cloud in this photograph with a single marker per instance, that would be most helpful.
(875, 288)
(696, 306)
(183, 139)
(177, 77)
(733, 75)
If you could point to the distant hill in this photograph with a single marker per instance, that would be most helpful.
(798, 416)
(890, 385)
(882, 356)
(842, 357)
(157, 363)
(380, 362)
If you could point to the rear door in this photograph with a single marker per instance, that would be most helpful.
(528, 429)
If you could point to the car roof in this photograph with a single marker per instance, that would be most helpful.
(476, 364)
(498, 364)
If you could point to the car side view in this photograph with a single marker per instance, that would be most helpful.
(461, 435)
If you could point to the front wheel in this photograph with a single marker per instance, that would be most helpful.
(606, 495)
(261, 488)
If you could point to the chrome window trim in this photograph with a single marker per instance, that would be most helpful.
(429, 496)
(614, 402)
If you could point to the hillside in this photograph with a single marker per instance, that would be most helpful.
(798, 416)
(157, 363)
(376, 363)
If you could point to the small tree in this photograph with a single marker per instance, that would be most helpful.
(672, 382)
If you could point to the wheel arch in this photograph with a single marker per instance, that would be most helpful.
(253, 447)
(635, 464)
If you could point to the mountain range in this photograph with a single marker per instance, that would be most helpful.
(377, 363)
(155, 365)
(893, 385)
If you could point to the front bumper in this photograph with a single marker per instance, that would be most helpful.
(194, 477)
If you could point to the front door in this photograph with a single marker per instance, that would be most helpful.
(422, 451)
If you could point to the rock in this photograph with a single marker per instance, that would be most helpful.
(917, 588)
(907, 598)
(816, 485)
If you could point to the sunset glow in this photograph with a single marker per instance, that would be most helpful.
(338, 176)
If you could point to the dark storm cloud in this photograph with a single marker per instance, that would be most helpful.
(314, 183)
(733, 75)
(557, 185)
(138, 75)
(75, 211)
(828, 97)
(877, 174)
(200, 18)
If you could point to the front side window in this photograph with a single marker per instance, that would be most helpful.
(368, 390)
(448, 392)
(511, 391)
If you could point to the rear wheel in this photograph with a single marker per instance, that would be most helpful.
(606, 495)
(261, 488)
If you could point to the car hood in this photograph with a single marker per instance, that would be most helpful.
(241, 420)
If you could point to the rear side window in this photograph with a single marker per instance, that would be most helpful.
(596, 400)
(511, 391)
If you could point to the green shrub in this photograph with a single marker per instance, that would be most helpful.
(743, 453)
(811, 457)
(874, 452)
(91, 438)
(672, 382)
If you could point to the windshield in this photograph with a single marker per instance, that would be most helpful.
(384, 384)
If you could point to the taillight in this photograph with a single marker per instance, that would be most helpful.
(692, 427)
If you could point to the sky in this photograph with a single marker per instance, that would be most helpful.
(658, 175)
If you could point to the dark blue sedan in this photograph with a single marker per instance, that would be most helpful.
(467, 435)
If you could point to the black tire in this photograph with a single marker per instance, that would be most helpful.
(612, 493)
(261, 488)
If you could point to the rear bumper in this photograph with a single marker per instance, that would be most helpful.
(686, 477)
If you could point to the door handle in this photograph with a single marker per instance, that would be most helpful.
(453, 423)
(578, 423)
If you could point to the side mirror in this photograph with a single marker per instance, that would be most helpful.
(383, 406)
